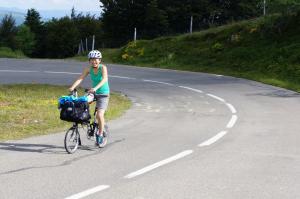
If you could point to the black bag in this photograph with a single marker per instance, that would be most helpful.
(75, 111)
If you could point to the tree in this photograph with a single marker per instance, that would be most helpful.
(159, 17)
(283, 6)
(242, 9)
(25, 40)
(155, 22)
(8, 32)
(116, 19)
(87, 25)
(33, 21)
(62, 38)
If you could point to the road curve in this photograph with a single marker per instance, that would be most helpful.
(187, 135)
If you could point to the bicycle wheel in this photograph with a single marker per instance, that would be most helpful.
(71, 140)
(105, 137)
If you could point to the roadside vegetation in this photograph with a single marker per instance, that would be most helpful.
(265, 49)
(6, 52)
(78, 33)
(32, 109)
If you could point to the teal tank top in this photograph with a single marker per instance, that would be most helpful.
(96, 79)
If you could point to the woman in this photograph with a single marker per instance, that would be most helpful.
(100, 88)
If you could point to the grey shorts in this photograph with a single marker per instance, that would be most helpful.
(102, 101)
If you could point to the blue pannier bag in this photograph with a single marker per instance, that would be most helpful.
(74, 109)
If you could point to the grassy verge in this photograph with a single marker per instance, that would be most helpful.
(31, 109)
(8, 53)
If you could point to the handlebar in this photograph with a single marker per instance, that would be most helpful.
(74, 93)
(87, 93)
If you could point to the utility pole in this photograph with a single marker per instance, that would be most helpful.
(264, 7)
(81, 44)
(79, 49)
(191, 25)
(86, 45)
(93, 45)
(134, 37)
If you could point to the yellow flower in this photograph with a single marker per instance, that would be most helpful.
(125, 56)
(252, 30)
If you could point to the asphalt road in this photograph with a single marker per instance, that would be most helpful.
(187, 135)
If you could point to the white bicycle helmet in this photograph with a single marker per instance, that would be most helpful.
(95, 54)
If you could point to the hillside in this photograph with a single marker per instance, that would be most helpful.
(263, 49)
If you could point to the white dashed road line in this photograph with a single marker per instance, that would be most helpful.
(192, 89)
(159, 164)
(146, 80)
(216, 97)
(53, 72)
(231, 108)
(232, 121)
(121, 77)
(213, 139)
(20, 71)
(88, 192)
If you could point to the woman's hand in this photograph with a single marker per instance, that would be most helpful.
(92, 90)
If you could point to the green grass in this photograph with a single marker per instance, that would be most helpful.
(8, 53)
(265, 49)
(32, 109)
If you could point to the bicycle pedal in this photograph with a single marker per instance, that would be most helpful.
(91, 134)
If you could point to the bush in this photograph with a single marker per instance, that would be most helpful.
(9, 53)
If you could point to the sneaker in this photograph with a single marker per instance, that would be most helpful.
(99, 139)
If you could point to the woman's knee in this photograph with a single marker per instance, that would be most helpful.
(100, 114)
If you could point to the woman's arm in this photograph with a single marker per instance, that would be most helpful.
(79, 80)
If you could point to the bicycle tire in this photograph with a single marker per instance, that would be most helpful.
(72, 139)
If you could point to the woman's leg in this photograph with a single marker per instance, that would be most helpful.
(102, 103)
(101, 120)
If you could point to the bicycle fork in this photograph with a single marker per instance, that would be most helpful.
(75, 126)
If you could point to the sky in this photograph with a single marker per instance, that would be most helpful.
(80, 5)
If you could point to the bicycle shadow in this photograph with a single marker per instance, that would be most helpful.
(31, 148)
(48, 148)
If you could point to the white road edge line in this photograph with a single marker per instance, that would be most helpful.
(20, 71)
(121, 77)
(147, 80)
(62, 73)
(192, 89)
(88, 192)
(232, 121)
(216, 97)
(231, 108)
(213, 139)
(158, 164)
